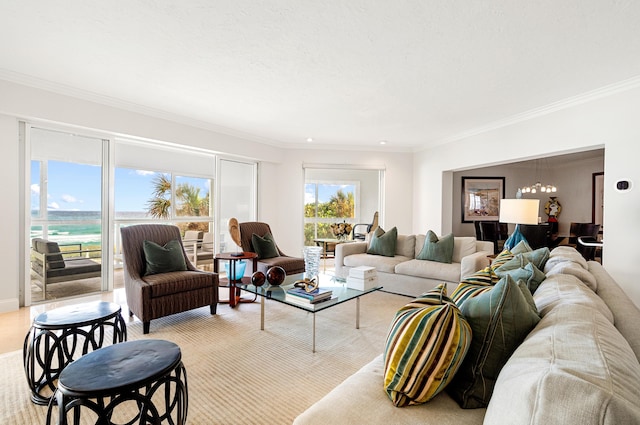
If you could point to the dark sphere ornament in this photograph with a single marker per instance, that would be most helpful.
(258, 279)
(276, 275)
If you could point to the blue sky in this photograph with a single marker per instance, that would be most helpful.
(76, 187)
(325, 191)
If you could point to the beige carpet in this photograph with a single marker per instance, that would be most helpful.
(238, 374)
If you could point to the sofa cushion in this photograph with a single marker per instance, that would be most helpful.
(264, 246)
(163, 259)
(49, 247)
(381, 264)
(463, 246)
(383, 243)
(573, 368)
(405, 245)
(437, 249)
(500, 319)
(429, 269)
(426, 344)
(558, 290)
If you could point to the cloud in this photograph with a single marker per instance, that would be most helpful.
(145, 173)
(69, 199)
(309, 198)
(53, 206)
(35, 188)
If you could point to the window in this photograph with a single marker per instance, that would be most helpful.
(334, 194)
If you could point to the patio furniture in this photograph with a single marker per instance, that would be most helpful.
(50, 265)
(152, 296)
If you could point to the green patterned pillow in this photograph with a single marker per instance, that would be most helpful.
(427, 342)
(264, 246)
(163, 259)
(434, 249)
(500, 319)
(502, 258)
(464, 291)
(383, 243)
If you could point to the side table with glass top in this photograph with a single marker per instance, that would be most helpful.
(232, 283)
(340, 294)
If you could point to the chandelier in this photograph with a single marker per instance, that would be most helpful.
(534, 188)
(537, 186)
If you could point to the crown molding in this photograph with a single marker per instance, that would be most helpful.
(605, 91)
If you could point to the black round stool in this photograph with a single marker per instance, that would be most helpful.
(58, 336)
(133, 382)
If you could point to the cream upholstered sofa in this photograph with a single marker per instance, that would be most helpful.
(404, 274)
(579, 365)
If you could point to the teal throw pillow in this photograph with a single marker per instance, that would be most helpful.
(383, 243)
(538, 257)
(434, 249)
(163, 259)
(521, 247)
(529, 274)
(500, 320)
(264, 246)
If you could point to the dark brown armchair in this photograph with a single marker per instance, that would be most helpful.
(158, 295)
(291, 265)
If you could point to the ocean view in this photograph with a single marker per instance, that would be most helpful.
(83, 226)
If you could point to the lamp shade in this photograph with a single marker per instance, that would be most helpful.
(519, 211)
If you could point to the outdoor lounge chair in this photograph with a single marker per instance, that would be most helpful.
(49, 266)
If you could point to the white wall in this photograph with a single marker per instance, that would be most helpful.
(281, 179)
(609, 121)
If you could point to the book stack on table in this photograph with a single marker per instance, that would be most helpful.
(362, 278)
(300, 296)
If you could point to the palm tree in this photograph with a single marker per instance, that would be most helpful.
(160, 205)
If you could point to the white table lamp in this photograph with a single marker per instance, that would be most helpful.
(518, 211)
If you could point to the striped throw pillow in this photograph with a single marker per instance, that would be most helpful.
(426, 344)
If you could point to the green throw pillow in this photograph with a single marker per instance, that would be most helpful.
(521, 247)
(529, 274)
(500, 320)
(538, 257)
(383, 243)
(264, 246)
(163, 259)
(437, 250)
(426, 344)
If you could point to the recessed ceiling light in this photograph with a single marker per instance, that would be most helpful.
(383, 142)
(309, 139)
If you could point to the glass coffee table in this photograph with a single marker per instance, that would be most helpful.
(340, 294)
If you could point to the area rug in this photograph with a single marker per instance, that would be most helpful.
(239, 374)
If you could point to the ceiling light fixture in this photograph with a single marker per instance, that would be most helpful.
(537, 186)
(309, 139)
(383, 142)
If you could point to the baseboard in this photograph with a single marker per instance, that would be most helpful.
(10, 304)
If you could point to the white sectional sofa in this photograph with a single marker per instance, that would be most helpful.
(579, 365)
(404, 274)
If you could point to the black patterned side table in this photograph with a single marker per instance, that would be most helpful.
(60, 336)
(141, 382)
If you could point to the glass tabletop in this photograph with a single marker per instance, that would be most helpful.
(340, 293)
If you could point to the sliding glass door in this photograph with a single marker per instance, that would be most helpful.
(66, 214)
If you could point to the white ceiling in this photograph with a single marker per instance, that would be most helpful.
(345, 72)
